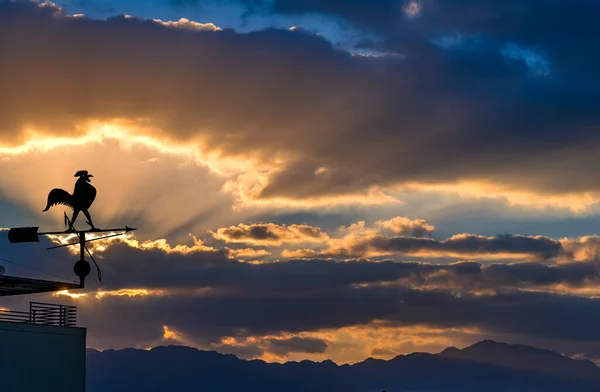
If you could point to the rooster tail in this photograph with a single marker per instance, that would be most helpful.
(59, 196)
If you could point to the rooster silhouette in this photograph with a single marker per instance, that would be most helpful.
(82, 198)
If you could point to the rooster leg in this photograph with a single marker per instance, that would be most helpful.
(89, 218)
(72, 222)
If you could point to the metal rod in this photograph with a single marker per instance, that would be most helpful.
(82, 254)
(81, 245)
(126, 229)
(97, 266)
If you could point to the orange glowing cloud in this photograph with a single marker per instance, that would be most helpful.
(575, 202)
(128, 293)
(172, 334)
(580, 249)
(242, 177)
(112, 293)
(590, 289)
(130, 240)
(67, 293)
(402, 226)
(362, 240)
(352, 344)
(248, 253)
(140, 146)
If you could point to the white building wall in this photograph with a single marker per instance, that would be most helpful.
(41, 358)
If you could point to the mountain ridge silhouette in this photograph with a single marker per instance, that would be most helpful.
(518, 356)
(180, 368)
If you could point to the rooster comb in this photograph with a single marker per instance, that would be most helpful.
(81, 173)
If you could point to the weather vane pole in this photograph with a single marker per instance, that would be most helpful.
(81, 200)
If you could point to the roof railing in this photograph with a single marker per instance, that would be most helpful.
(43, 313)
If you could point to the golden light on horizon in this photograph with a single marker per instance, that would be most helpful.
(68, 293)
(129, 293)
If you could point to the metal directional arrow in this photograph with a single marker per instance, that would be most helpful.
(82, 267)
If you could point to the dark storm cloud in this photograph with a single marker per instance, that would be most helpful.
(466, 244)
(260, 233)
(207, 297)
(432, 115)
(208, 319)
(531, 23)
(461, 245)
(159, 270)
(278, 346)
(372, 13)
(522, 29)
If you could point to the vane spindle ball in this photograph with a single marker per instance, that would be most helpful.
(82, 268)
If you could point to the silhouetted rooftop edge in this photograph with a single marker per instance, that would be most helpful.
(13, 285)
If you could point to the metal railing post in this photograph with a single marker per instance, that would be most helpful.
(42, 313)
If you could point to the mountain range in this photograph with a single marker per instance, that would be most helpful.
(485, 366)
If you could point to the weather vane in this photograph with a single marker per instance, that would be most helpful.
(81, 200)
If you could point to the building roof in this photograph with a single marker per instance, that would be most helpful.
(12, 285)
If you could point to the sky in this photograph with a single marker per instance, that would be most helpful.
(312, 179)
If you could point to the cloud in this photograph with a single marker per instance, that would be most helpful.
(270, 347)
(156, 268)
(402, 226)
(488, 18)
(184, 23)
(360, 240)
(537, 62)
(248, 253)
(212, 273)
(274, 310)
(171, 335)
(206, 271)
(297, 345)
(412, 9)
(401, 120)
(270, 234)
(207, 320)
(464, 245)
(581, 249)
